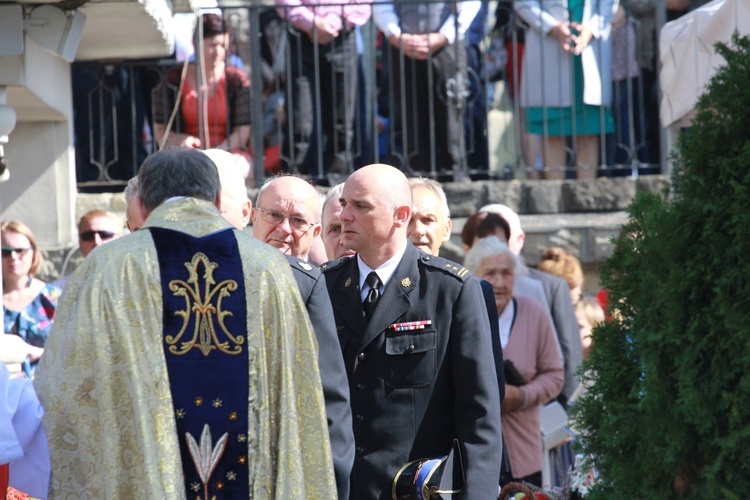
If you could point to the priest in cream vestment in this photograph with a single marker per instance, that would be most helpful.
(182, 363)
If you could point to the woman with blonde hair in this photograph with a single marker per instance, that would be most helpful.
(28, 303)
(559, 262)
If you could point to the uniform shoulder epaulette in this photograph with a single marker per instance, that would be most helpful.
(303, 266)
(445, 265)
(334, 264)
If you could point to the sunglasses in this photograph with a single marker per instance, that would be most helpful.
(90, 235)
(8, 251)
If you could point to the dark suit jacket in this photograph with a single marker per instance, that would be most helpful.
(332, 373)
(414, 392)
(563, 314)
(497, 347)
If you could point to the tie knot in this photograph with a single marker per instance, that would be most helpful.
(373, 280)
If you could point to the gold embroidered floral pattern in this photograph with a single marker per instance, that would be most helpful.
(206, 306)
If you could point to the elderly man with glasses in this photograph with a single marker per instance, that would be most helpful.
(287, 215)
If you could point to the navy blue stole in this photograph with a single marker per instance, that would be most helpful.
(205, 346)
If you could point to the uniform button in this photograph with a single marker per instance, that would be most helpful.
(410, 348)
(360, 387)
(359, 419)
(361, 356)
(360, 451)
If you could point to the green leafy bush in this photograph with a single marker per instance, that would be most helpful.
(668, 412)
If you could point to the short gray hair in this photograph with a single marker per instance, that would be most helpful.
(491, 246)
(333, 194)
(177, 172)
(131, 190)
(436, 188)
(232, 181)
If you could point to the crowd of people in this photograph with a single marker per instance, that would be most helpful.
(320, 353)
(580, 77)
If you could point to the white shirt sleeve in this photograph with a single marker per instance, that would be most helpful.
(386, 19)
(467, 11)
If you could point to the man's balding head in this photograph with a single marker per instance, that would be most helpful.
(287, 215)
(235, 205)
(376, 208)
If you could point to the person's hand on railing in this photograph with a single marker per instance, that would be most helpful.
(190, 142)
(324, 31)
(562, 33)
(418, 46)
(583, 38)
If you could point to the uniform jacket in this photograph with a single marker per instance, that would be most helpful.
(413, 392)
(497, 348)
(314, 294)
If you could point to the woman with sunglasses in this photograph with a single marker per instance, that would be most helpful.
(28, 303)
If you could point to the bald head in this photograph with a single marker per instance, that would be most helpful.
(517, 236)
(235, 205)
(287, 215)
(376, 207)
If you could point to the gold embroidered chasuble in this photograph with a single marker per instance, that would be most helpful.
(103, 382)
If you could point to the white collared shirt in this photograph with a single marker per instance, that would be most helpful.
(384, 272)
(505, 322)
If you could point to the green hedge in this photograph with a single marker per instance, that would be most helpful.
(668, 412)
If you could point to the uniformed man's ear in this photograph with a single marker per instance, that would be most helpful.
(401, 215)
(217, 201)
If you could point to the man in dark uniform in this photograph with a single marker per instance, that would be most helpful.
(430, 226)
(420, 362)
(236, 208)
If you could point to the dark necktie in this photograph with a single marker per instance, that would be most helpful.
(373, 281)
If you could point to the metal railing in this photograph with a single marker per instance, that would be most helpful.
(466, 110)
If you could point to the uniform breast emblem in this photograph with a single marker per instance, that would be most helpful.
(406, 282)
(348, 282)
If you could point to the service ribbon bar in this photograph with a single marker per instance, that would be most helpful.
(411, 325)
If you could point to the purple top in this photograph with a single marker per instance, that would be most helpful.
(300, 13)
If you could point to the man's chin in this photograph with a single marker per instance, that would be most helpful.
(346, 253)
(282, 247)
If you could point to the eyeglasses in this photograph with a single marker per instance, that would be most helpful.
(276, 218)
(90, 235)
(21, 252)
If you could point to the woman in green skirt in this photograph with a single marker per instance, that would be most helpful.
(566, 80)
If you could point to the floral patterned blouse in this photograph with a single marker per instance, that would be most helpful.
(33, 323)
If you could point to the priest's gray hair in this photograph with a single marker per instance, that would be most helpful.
(177, 172)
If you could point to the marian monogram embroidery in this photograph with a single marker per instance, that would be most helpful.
(205, 305)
